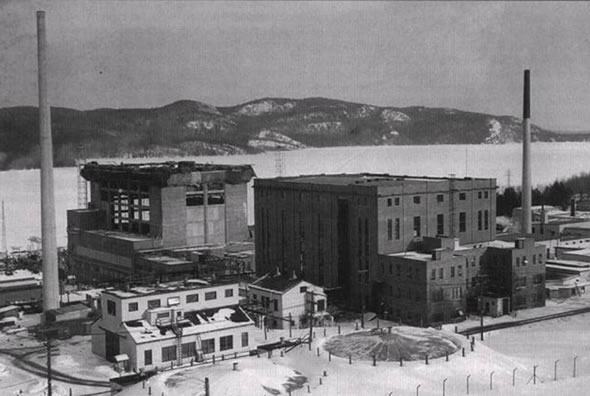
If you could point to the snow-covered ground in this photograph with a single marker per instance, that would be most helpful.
(518, 348)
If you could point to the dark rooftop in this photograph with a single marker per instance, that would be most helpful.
(368, 179)
(159, 173)
(278, 283)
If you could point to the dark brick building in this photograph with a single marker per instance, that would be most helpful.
(331, 229)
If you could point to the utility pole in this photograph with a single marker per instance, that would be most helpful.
(207, 386)
(311, 307)
(48, 346)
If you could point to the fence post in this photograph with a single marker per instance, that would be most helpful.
(514, 377)
(308, 389)
(349, 359)
(575, 358)
(320, 380)
(555, 370)
(329, 356)
(491, 379)
(463, 351)
(149, 390)
(318, 351)
(417, 390)
(213, 357)
(324, 331)
(467, 383)
(374, 361)
(472, 348)
(401, 361)
(447, 357)
(444, 386)
(426, 358)
(338, 329)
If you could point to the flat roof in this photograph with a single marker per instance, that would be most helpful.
(165, 288)
(194, 322)
(126, 236)
(277, 283)
(568, 263)
(367, 179)
(413, 255)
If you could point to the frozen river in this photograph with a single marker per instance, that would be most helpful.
(550, 161)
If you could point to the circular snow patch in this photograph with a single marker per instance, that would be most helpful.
(407, 343)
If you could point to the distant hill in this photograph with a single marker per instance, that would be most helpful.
(192, 128)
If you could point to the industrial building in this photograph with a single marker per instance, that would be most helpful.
(139, 215)
(278, 302)
(147, 327)
(331, 229)
(20, 287)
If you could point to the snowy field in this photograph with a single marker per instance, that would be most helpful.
(20, 189)
(539, 344)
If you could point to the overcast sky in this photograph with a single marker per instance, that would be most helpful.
(463, 55)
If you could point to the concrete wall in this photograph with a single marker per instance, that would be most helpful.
(236, 212)
(174, 216)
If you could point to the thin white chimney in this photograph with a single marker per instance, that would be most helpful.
(526, 203)
(48, 238)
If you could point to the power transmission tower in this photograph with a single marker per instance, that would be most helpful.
(279, 163)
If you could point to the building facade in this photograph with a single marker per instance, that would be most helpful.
(136, 207)
(171, 323)
(276, 300)
(331, 229)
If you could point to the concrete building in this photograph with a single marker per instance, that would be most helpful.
(275, 300)
(331, 229)
(171, 323)
(148, 207)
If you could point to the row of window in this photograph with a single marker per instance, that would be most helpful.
(189, 349)
(157, 303)
(410, 271)
(394, 225)
(523, 261)
(417, 199)
(453, 293)
(441, 272)
(521, 281)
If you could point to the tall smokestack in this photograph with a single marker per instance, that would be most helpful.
(49, 244)
(526, 156)
(4, 245)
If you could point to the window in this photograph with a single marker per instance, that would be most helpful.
(538, 279)
(462, 222)
(163, 315)
(456, 293)
(540, 258)
(460, 270)
(275, 303)
(518, 261)
(390, 269)
(524, 261)
(396, 201)
(461, 196)
(440, 224)
(520, 281)
(479, 194)
(398, 270)
(245, 339)
(389, 202)
(147, 357)
(133, 306)
(389, 229)
(417, 227)
(212, 295)
(208, 345)
(441, 273)
(437, 294)
(433, 274)
(397, 229)
(409, 272)
(485, 194)
(111, 308)
(191, 298)
(440, 198)
(169, 353)
(229, 292)
(452, 272)
(303, 289)
(153, 304)
(226, 343)
(534, 259)
(321, 304)
(189, 350)
(416, 199)
(479, 220)
(486, 220)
